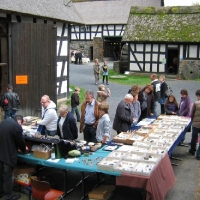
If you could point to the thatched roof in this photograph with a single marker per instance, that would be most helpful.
(109, 12)
(58, 10)
(163, 24)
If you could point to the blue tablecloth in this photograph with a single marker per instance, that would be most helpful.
(76, 166)
(179, 139)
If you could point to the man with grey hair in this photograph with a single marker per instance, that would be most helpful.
(49, 116)
(124, 115)
(89, 117)
(66, 127)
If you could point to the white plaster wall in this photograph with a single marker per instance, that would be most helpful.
(134, 67)
(132, 47)
(139, 47)
(147, 67)
(155, 48)
(139, 56)
(192, 51)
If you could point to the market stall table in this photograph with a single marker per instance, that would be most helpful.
(156, 185)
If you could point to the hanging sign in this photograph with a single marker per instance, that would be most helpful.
(23, 79)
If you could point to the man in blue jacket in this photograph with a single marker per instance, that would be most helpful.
(11, 140)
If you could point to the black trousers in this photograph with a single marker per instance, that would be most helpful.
(6, 180)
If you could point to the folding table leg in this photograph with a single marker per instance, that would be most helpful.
(65, 183)
(98, 180)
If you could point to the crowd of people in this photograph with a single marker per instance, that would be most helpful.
(95, 123)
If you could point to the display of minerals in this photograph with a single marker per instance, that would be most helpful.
(144, 168)
(136, 137)
(125, 166)
(135, 156)
(107, 163)
(122, 135)
(159, 150)
(125, 148)
(152, 157)
(117, 154)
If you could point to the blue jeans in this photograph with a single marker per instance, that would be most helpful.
(9, 113)
(155, 110)
(89, 133)
(51, 133)
(195, 132)
(6, 180)
(75, 110)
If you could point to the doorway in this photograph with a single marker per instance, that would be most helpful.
(112, 48)
(172, 61)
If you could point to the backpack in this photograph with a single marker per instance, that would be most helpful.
(5, 102)
(168, 92)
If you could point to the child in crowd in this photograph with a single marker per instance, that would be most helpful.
(103, 129)
(96, 70)
(75, 103)
(105, 72)
(171, 106)
(101, 94)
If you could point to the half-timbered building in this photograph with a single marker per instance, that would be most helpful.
(162, 38)
(105, 22)
(34, 48)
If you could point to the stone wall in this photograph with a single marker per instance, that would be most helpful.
(83, 46)
(189, 69)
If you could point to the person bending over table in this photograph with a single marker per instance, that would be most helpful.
(66, 128)
(11, 140)
(49, 116)
(104, 124)
(171, 106)
(195, 116)
(146, 99)
(124, 115)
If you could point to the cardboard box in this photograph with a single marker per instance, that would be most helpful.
(42, 155)
(103, 192)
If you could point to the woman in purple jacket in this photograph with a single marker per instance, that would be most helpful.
(185, 104)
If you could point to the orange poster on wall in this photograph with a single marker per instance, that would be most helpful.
(22, 79)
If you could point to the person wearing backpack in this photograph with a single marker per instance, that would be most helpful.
(163, 97)
(10, 102)
(66, 126)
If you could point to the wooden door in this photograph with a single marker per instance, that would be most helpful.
(3, 61)
(32, 52)
(98, 48)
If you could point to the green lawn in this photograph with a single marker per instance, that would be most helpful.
(130, 79)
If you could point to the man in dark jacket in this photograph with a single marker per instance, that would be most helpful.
(156, 87)
(67, 128)
(75, 103)
(124, 116)
(10, 102)
(11, 140)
